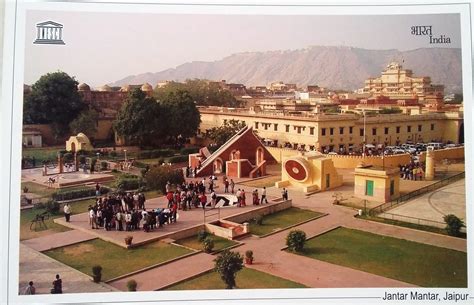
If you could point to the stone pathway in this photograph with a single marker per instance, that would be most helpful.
(267, 251)
(168, 274)
(58, 240)
(41, 269)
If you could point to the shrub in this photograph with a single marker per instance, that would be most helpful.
(453, 224)
(157, 177)
(81, 193)
(93, 163)
(202, 234)
(296, 240)
(178, 159)
(52, 206)
(97, 273)
(132, 285)
(113, 154)
(208, 244)
(128, 182)
(189, 150)
(104, 165)
(227, 264)
(68, 157)
(82, 159)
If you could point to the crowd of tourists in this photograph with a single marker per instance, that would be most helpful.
(412, 171)
(127, 213)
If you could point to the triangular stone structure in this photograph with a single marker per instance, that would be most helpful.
(243, 155)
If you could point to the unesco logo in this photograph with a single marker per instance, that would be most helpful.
(49, 32)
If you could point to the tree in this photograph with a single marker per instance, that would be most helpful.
(296, 240)
(390, 110)
(54, 99)
(141, 119)
(453, 224)
(86, 123)
(183, 117)
(220, 135)
(157, 177)
(204, 92)
(228, 263)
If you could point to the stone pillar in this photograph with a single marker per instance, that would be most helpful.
(76, 162)
(430, 163)
(60, 163)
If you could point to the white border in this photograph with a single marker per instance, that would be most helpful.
(14, 39)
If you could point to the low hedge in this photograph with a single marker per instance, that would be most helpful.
(178, 159)
(156, 153)
(128, 183)
(189, 150)
(77, 194)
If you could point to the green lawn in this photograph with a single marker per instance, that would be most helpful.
(40, 154)
(27, 215)
(37, 189)
(219, 242)
(246, 279)
(407, 261)
(115, 260)
(281, 220)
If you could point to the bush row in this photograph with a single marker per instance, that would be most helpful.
(64, 194)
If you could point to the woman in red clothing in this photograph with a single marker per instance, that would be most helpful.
(243, 198)
(203, 200)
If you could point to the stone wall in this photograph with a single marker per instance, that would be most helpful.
(346, 161)
(455, 153)
(263, 210)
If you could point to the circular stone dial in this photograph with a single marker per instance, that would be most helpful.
(297, 170)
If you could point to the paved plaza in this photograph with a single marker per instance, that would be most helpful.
(267, 251)
(433, 206)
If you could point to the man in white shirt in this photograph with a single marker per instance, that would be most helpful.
(67, 211)
(264, 195)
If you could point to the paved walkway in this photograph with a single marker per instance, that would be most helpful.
(41, 269)
(58, 240)
(433, 206)
(168, 274)
(267, 251)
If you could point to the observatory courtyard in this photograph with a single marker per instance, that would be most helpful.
(365, 225)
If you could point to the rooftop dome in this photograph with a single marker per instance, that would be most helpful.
(125, 88)
(105, 88)
(83, 87)
(147, 87)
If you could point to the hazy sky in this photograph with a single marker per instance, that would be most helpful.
(105, 47)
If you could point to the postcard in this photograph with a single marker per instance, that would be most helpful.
(236, 152)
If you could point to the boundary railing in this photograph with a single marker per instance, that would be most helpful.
(404, 198)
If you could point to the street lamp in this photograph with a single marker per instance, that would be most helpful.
(363, 148)
(125, 151)
(98, 160)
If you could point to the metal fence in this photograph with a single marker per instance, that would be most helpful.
(414, 220)
(404, 198)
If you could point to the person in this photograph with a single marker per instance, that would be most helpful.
(284, 194)
(92, 218)
(30, 289)
(239, 198)
(203, 200)
(57, 285)
(97, 189)
(226, 185)
(255, 200)
(232, 185)
(242, 196)
(264, 195)
(67, 211)
(213, 199)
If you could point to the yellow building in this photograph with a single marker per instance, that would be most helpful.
(341, 132)
(310, 171)
(398, 83)
(79, 142)
(376, 183)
